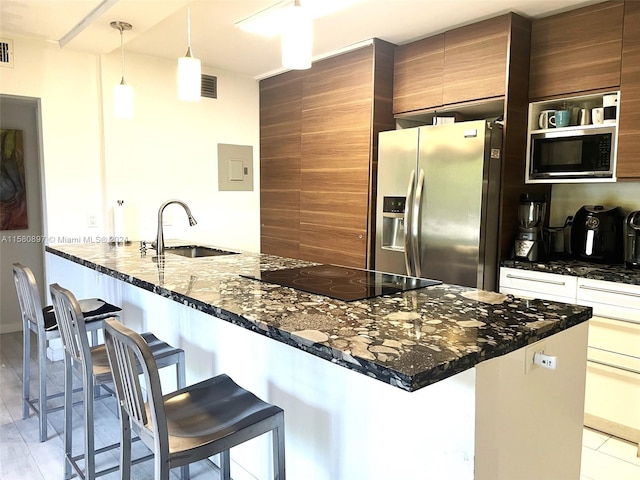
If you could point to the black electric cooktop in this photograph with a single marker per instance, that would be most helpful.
(342, 283)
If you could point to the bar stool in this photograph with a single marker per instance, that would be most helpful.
(42, 322)
(94, 367)
(190, 424)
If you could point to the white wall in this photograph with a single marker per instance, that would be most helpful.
(169, 149)
(566, 199)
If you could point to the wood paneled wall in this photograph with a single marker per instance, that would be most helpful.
(280, 156)
(319, 154)
(515, 135)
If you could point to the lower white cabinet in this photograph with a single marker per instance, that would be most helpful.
(612, 395)
(529, 283)
(612, 400)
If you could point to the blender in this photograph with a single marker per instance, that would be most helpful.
(529, 243)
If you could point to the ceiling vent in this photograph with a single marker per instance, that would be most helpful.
(6, 53)
(209, 88)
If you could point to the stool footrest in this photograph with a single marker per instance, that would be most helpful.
(73, 460)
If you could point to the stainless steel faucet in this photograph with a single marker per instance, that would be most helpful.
(160, 236)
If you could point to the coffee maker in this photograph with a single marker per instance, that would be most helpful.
(529, 243)
(632, 240)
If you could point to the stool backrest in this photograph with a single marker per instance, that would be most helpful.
(28, 296)
(71, 325)
(128, 354)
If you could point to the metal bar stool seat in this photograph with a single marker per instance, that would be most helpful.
(42, 322)
(94, 367)
(190, 424)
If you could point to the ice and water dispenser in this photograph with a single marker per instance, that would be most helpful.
(393, 223)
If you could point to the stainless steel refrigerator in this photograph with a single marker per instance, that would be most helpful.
(438, 202)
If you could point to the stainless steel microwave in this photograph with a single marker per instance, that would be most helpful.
(579, 154)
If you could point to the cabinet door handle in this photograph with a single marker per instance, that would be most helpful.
(617, 367)
(551, 282)
(605, 290)
(635, 357)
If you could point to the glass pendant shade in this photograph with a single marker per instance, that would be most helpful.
(189, 78)
(297, 39)
(123, 100)
(122, 93)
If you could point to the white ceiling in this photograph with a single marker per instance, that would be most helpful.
(159, 26)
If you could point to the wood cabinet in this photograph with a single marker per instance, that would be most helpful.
(475, 60)
(417, 74)
(465, 64)
(280, 154)
(319, 131)
(576, 51)
(629, 120)
(613, 358)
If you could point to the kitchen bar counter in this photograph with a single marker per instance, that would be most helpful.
(409, 340)
(430, 383)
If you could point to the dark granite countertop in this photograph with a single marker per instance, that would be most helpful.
(579, 268)
(409, 340)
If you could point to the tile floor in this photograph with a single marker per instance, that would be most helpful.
(23, 457)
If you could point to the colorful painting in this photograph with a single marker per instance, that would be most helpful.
(13, 194)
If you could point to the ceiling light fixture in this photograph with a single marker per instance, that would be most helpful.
(122, 93)
(189, 69)
(271, 21)
(297, 38)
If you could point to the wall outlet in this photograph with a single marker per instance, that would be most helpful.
(530, 353)
(543, 360)
(92, 220)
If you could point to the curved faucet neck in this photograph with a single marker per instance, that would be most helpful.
(160, 234)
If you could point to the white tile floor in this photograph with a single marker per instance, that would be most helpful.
(23, 457)
(608, 458)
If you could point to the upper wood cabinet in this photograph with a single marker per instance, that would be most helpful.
(458, 66)
(417, 74)
(475, 60)
(629, 120)
(576, 51)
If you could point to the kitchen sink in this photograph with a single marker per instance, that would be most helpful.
(196, 251)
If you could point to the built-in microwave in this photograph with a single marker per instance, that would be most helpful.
(572, 155)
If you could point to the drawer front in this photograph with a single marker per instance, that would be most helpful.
(622, 338)
(614, 395)
(617, 295)
(549, 286)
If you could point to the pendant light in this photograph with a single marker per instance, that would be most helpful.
(297, 38)
(122, 93)
(189, 77)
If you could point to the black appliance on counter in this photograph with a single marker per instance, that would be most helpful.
(632, 240)
(342, 283)
(597, 234)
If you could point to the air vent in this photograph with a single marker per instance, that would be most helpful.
(6, 53)
(209, 86)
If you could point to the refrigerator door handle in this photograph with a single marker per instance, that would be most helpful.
(408, 216)
(417, 224)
